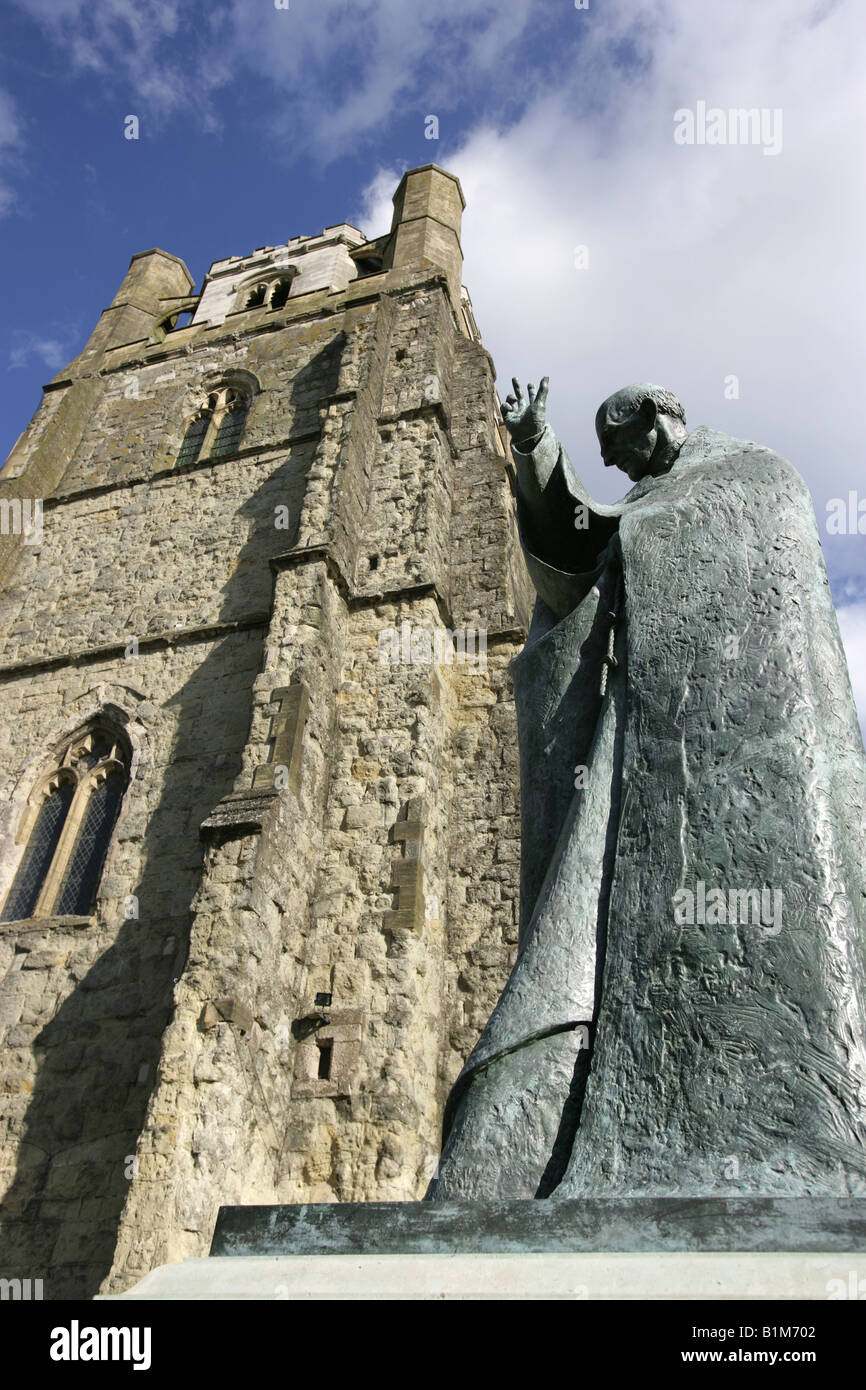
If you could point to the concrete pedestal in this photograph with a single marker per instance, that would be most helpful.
(576, 1277)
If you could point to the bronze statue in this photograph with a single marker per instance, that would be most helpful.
(686, 1013)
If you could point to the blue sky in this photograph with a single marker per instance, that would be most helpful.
(699, 263)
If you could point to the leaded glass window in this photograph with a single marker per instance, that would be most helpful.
(70, 828)
(194, 438)
(218, 427)
(231, 428)
(40, 851)
(91, 845)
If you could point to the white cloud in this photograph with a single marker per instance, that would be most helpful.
(124, 39)
(703, 261)
(329, 73)
(53, 351)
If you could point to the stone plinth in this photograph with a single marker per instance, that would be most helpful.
(635, 1248)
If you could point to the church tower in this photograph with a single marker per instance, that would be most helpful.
(260, 585)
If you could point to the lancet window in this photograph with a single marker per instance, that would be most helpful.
(271, 293)
(217, 427)
(67, 828)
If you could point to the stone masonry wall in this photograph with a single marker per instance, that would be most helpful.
(83, 1002)
(320, 836)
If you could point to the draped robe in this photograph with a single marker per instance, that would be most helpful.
(685, 722)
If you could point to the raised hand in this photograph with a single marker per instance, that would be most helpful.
(524, 416)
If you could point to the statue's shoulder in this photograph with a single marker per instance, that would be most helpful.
(717, 451)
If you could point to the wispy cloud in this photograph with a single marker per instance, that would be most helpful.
(389, 58)
(10, 145)
(52, 349)
(132, 42)
(328, 71)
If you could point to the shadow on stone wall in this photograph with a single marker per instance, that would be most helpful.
(100, 1051)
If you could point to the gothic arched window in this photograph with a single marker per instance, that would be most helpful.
(53, 808)
(280, 293)
(231, 425)
(216, 429)
(68, 827)
(271, 292)
(195, 436)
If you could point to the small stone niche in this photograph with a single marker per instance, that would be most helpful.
(327, 1053)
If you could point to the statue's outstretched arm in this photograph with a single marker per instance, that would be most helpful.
(559, 521)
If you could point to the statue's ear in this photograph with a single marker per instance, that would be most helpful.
(648, 412)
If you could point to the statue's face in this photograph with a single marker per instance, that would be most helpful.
(627, 437)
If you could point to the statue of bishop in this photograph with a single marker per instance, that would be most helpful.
(687, 1012)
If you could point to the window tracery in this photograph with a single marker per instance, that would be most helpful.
(68, 825)
(217, 427)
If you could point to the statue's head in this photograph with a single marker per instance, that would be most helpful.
(641, 429)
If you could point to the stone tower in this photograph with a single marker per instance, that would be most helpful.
(259, 801)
